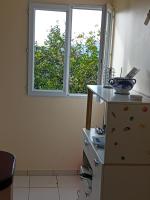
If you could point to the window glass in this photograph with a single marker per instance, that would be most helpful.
(108, 71)
(108, 33)
(85, 46)
(49, 50)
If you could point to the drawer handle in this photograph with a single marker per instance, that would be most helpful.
(97, 162)
(86, 142)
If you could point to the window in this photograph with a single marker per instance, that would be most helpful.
(66, 48)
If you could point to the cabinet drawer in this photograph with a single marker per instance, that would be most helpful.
(91, 153)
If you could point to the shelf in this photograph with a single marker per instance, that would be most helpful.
(108, 95)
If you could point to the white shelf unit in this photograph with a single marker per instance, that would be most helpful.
(120, 170)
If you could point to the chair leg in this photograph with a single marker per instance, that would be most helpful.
(7, 194)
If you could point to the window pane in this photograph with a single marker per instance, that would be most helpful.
(49, 49)
(107, 40)
(108, 72)
(85, 46)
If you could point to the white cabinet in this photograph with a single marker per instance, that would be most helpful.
(120, 168)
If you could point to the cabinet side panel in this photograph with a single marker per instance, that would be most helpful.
(126, 183)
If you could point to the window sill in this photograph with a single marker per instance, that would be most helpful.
(56, 94)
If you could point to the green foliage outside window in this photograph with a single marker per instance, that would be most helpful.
(49, 61)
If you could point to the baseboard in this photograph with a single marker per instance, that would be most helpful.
(46, 172)
(21, 173)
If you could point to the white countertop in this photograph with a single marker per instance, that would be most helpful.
(108, 95)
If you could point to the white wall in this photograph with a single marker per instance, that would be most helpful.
(43, 132)
(132, 40)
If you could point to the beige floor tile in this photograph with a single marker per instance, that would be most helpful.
(68, 181)
(68, 193)
(43, 181)
(44, 194)
(21, 181)
(20, 193)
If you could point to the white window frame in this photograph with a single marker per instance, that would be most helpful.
(68, 9)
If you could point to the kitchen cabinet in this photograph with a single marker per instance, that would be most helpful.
(116, 156)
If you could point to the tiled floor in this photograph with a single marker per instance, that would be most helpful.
(45, 187)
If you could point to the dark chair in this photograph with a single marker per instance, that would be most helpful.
(7, 167)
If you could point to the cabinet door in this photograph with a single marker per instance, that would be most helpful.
(96, 167)
(90, 152)
(94, 191)
(127, 133)
(81, 195)
(96, 183)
